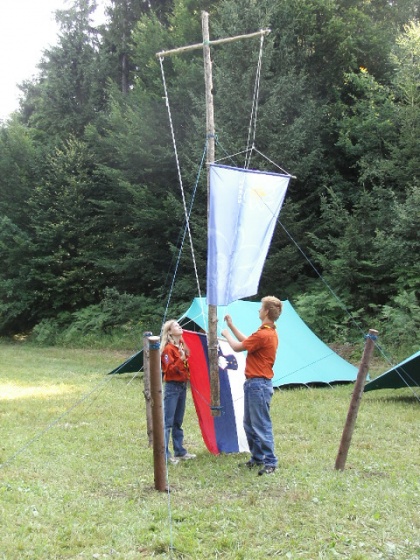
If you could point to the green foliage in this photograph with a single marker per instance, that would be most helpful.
(48, 332)
(367, 127)
(397, 324)
(68, 93)
(400, 322)
(20, 168)
(344, 250)
(63, 211)
(116, 41)
(406, 58)
(17, 300)
(118, 321)
(328, 317)
(125, 136)
(90, 194)
(398, 245)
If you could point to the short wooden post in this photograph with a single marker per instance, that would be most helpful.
(355, 400)
(146, 386)
(157, 414)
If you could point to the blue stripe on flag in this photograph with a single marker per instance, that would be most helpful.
(225, 424)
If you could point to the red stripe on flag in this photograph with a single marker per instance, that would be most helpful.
(200, 387)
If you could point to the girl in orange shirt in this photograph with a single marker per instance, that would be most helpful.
(176, 373)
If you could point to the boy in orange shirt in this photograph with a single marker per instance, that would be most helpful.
(258, 388)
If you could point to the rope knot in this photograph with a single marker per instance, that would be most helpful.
(371, 336)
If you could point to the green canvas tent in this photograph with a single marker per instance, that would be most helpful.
(133, 364)
(405, 374)
(302, 358)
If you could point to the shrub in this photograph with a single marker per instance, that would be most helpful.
(118, 321)
(328, 317)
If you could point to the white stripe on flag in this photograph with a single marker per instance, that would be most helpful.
(236, 382)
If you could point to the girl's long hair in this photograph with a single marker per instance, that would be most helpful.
(166, 337)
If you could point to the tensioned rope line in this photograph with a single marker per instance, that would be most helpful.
(54, 422)
(187, 215)
(400, 371)
(308, 260)
(252, 127)
(183, 236)
(38, 436)
(179, 172)
(248, 150)
(252, 130)
(354, 322)
(187, 225)
(378, 346)
(272, 162)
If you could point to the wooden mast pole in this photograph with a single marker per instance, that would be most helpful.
(212, 309)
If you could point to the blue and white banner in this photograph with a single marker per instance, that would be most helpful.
(244, 206)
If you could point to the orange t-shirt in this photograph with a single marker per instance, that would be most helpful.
(262, 348)
(173, 367)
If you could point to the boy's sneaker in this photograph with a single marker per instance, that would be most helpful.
(186, 456)
(251, 464)
(173, 460)
(266, 470)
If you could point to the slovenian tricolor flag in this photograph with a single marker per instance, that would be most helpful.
(243, 208)
(224, 433)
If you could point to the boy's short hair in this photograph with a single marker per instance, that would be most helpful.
(274, 307)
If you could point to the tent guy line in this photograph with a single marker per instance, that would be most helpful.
(55, 421)
(405, 374)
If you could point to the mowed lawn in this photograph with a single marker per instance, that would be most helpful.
(77, 478)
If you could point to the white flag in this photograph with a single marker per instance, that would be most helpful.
(244, 206)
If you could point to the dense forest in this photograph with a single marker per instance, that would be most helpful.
(91, 213)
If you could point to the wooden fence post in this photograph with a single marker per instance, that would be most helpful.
(355, 400)
(146, 386)
(157, 414)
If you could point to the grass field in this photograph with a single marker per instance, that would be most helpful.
(76, 476)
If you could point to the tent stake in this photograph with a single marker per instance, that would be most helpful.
(355, 401)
